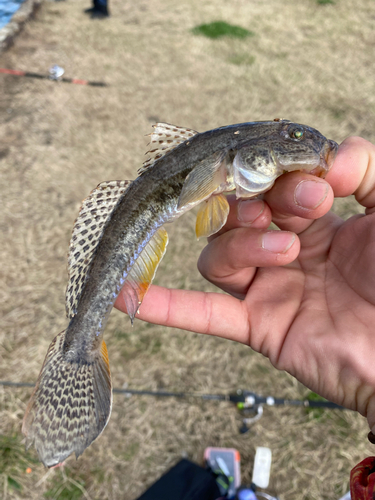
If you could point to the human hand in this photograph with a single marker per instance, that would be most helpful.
(304, 297)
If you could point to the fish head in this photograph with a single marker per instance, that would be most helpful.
(299, 147)
(284, 147)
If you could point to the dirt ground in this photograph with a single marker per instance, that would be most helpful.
(308, 62)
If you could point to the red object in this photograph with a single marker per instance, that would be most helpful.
(362, 480)
(80, 82)
(12, 72)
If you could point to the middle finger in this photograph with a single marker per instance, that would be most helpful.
(230, 260)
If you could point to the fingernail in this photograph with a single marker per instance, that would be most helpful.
(310, 194)
(278, 241)
(249, 210)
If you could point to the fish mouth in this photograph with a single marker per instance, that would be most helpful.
(327, 158)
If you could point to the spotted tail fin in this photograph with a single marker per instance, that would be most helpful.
(70, 405)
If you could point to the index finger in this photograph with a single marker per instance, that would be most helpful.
(200, 312)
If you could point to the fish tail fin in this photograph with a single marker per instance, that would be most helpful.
(70, 405)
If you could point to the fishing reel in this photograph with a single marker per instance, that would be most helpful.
(251, 405)
(251, 408)
(56, 72)
(254, 414)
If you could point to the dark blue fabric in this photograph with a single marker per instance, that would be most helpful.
(185, 481)
(101, 3)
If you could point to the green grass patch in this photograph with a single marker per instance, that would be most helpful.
(262, 369)
(131, 452)
(13, 460)
(99, 474)
(242, 59)
(65, 487)
(324, 2)
(218, 29)
(121, 335)
(337, 112)
(155, 346)
(316, 413)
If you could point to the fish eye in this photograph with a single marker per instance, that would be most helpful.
(296, 133)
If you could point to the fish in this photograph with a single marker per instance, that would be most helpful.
(118, 241)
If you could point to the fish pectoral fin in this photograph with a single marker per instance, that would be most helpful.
(143, 271)
(211, 216)
(163, 139)
(70, 405)
(88, 229)
(205, 178)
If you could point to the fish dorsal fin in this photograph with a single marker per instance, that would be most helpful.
(88, 229)
(212, 215)
(205, 178)
(164, 138)
(143, 271)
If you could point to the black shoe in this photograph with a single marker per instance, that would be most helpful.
(89, 11)
(99, 14)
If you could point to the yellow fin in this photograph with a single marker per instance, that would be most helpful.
(71, 403)
(143, 271)
(104, 353)
(203, 180)
(212, 216)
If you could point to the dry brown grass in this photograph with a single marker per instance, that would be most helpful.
(306, 62)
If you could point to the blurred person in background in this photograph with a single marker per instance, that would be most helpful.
(99, 9)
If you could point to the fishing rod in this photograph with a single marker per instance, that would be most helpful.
(55, 74)
(248, 403)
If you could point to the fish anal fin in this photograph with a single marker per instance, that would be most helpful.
(163, 139)
(70, 405)
(205, 178)
(211, 216)
(88, 229)
(143, 271)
